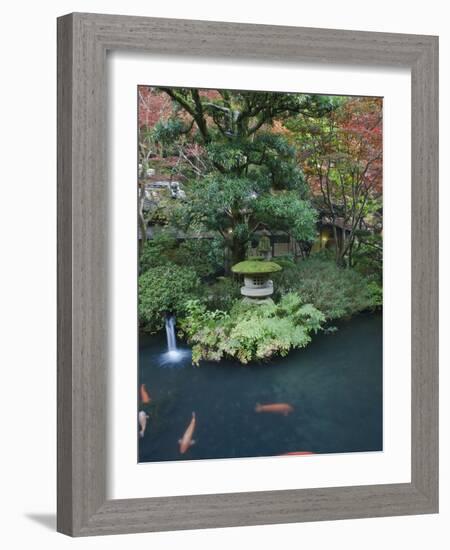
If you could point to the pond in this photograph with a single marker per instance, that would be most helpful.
(334, 386)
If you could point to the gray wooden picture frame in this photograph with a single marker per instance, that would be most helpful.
(83, 41)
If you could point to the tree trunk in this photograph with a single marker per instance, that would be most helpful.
(238, 251)
(337, 244)
(142, 224)
(143, 231)
(228, 262)
(235, 252)
(350, 253)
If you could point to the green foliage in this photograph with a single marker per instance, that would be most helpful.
(158, 251)
(229, 155)
(250, 332)
(247, 175)
(217, 203)
(236, 206)
(168, 131)
(285, 262)
(288, 213)
(162, 290)
(376, 293)
(367, 256)
(222, 295)
(234, 114)
(268, 160)
(271, 157)
(367, 259)
(337, 292)
(205, 256)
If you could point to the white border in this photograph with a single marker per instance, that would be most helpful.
(126, 478)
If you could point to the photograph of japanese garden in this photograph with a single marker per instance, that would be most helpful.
(260, 250)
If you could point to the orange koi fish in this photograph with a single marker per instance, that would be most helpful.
(298, 453)
(145, 397)
(277, 408)
(186, 441)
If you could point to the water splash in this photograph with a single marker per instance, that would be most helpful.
(173, 354)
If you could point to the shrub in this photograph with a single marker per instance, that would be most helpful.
(285, 262)
(368, 257)
(376, 293)
(158, 251)
(222, 295)
(337, 292)
(249, 332)
(162, 290)
(205, 256)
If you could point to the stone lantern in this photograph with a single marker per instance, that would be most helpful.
(257, 283)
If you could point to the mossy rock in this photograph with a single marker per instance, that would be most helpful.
(254, 267)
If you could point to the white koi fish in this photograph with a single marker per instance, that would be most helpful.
(142, 416)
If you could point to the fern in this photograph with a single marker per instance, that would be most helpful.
(250, 332)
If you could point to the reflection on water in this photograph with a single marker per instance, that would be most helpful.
(334, 387)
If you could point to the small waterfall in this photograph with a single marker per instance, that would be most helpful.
(173, 355)
(170, 333)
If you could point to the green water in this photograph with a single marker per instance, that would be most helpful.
(334, 386)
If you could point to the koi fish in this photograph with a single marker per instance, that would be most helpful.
(145, 397)
(298, 453)
(142, 416)
(278, 408)
(186, 441)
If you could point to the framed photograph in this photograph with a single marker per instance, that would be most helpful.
(247, 274)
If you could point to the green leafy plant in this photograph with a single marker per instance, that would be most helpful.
(165, 290)
(337, 292)
(376, 293)
(368, 257)
(222, 294)
(249, 332)
(204, 256)
(158, 251)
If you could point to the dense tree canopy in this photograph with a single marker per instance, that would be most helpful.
(341, 156)
(244, 173)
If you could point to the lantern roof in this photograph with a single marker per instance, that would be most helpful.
(255, 267)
